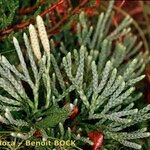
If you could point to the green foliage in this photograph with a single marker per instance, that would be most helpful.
(7, 12)
(98, 76)
(53, 117)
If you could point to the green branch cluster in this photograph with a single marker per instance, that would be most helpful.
(98, 77)
(7, 12)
